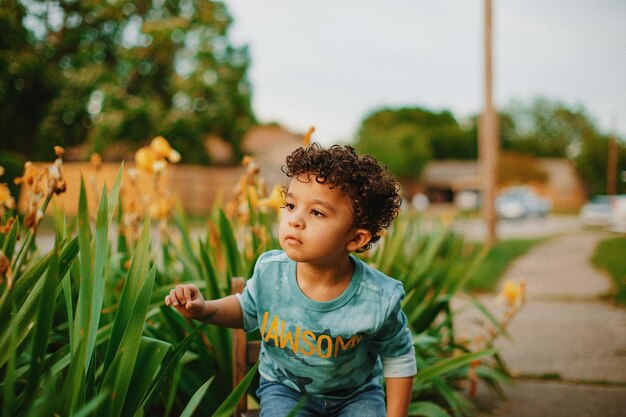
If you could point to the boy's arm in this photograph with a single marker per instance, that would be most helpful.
(224, 312)
(398, 396)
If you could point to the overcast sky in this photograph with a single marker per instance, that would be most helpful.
(329, 63)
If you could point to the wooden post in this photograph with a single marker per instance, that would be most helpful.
(611, 175)
(240, 362)
(488, 136)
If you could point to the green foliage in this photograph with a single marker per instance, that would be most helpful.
(106, 72)
(546, 128)
(406, 139)
(435, 263)
(89, 317)
(609, 256)
(13, 164)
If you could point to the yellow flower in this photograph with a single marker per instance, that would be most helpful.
(145, 157)
(161, 208)
(275, 200)
(174, 156)
(252, 169)
(162, 148)
(6, 202)
(59, 151)
(512, 293)
(56, 182)
(5, 270)
(247, 159)
(5, 194)
(30, 174)
(159, 165)
(5, 228)
(307, 136)
(253, 197)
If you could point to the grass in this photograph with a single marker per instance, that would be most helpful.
(501, 255)
(609, 256)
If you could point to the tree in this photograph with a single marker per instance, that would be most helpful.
(128, 71)
(591, 161)
(26, 83)
(548, 128)
(406, 139)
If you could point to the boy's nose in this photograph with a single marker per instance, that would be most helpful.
(296, 222)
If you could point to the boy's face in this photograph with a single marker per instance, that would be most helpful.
(317, 223)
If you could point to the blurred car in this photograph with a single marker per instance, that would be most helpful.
(605, 211)
(467, 200)
(420, 202)
(618, 213)
(521, 202)
(597, 211)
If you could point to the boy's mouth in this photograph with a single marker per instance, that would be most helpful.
(292, 239)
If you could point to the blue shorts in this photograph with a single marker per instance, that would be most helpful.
(277, 400)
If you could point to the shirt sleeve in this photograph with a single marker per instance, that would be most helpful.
(395, 342)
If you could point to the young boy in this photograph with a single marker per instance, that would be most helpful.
(331, 325)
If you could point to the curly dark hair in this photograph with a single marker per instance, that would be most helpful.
(374, 191)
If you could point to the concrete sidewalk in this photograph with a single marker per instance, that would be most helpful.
(567, 346)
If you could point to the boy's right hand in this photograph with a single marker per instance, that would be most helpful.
(188, 300)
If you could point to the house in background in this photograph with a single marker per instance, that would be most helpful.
(442, 181)
(269, 146)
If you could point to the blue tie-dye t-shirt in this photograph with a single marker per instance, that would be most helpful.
(328, 349)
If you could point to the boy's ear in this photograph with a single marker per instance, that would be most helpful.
(360, 238)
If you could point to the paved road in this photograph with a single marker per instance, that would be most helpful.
(566, 333)
(474, 228)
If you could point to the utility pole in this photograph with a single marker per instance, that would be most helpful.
(488, 135)
(611, 174)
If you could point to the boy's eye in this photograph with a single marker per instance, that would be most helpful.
(317, 213)
(289, 206)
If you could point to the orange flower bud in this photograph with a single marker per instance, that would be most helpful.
(95, 160)
(307, 136)
(247, 159)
